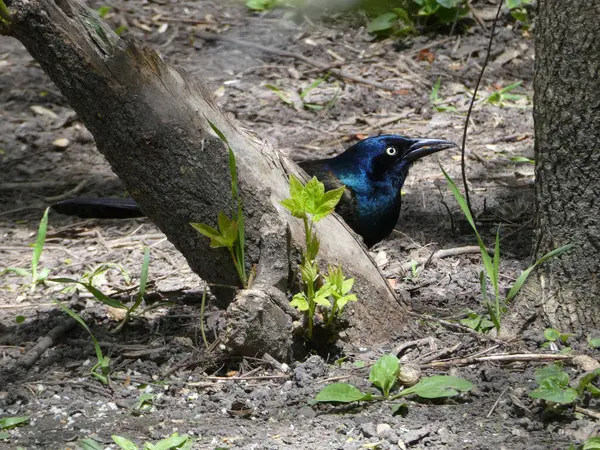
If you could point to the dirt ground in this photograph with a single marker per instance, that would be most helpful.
(251, 403)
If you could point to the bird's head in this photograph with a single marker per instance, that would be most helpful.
(389, 156)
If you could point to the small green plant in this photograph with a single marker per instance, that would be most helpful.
(231, 234)
(36, 277)
(437, 102)
(384, 376)
(311, 203)
(175, 441)
(503, 97)
(477, 322)
(594, 342)
(87, 282)
(553, 336)
(101, 369)
(519, 12)
(494, 304)
(103, 11)
(554, 385)
(592, 443)
(261, 5)
(6, 423)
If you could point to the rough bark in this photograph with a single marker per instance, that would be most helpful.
(149, 121)
(567, 149)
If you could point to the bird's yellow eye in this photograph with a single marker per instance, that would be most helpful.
(391, 151)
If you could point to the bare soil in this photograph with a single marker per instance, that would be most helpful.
(250, 403)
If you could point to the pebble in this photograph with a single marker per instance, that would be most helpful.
(61, 143)
(384, 430)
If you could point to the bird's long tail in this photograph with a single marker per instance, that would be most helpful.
(99, 208)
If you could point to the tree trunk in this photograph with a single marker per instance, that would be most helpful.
(150, 122)
(567, 154)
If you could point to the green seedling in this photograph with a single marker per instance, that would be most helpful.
(477, 322)
(261, 5)
(231, 234)
(503, 97)
(437, 102)
(521, 159)
(594, 342)
(299, 100)
(6, 423)
(493, 303)
(103, 11)
(144, 403)
(592, 443)
(384, 376)
(519, 12)
(87, 282)
(5, 15)
(554, 336)
(101, 369)
(175, 441)
(36, 277)
(554, 385)
(397, 23)
(311, 203)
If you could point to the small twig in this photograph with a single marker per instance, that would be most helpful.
(441, 354)
(286, 54)
(417, 342)
(202, 306)
(68, 194)
(478, 19)
(497, 358)
(29, 358)
(588, 412)
(466, 127)
(242, 378)
(497, 401)
(431, 45)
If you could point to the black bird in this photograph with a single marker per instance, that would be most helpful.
(373, 171)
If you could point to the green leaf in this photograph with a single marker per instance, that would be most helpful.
(144, 401)
(19, 319)
(439, 386)
(548, 371)
(90, 444)
(312, 195)
(399, 409)
(343, 301)
(327, 203)
(102, 12)
(143, 280)
(280, 93)
(99, 295)
(592, 443)
(300, 302)
(586, 380)
(519, 159)
(4, 435)
(525, 274)
(511, 4)
(341, 393)
(382, 23)
(19, 271)
(260, 5)
(550, 334)
(206, 230)
(171, 442)
(384, 373)
(553, 390)
(594, 342)
(124, 443)
(450, 3)
(39, 245)
(296, 188)
(6, 423)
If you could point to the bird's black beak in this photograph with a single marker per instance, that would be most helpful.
(424, 147)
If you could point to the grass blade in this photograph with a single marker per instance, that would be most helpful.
(514, 290)
(39, 246)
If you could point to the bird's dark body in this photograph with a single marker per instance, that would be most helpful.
(373, 171)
